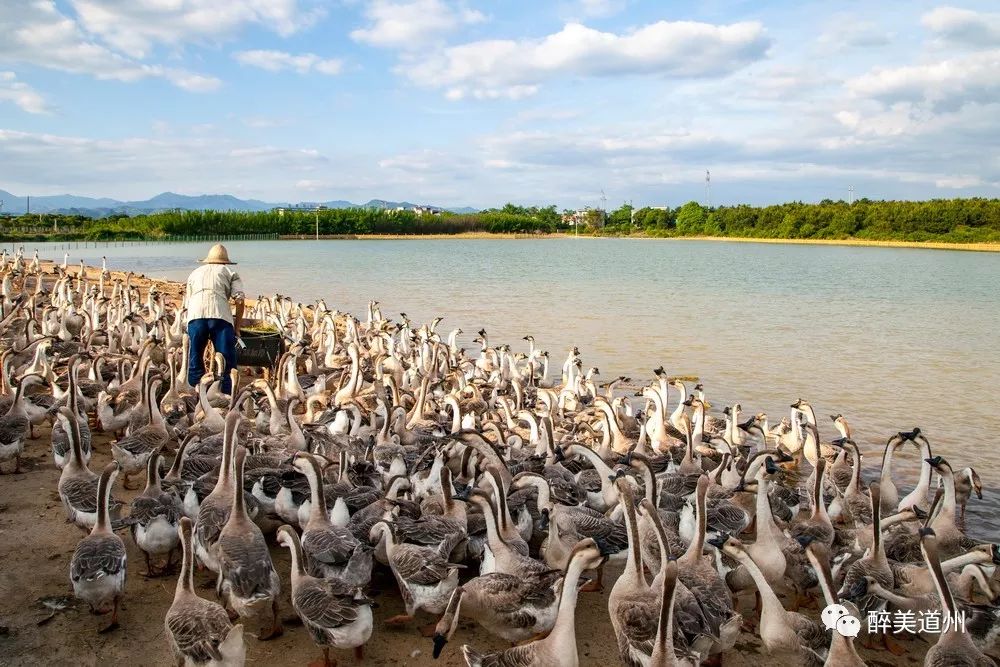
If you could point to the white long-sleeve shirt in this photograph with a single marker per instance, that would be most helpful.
(209, 289)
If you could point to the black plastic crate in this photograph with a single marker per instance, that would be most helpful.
(263, 349)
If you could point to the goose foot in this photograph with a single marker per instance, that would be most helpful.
(893, 646)
(276, 631)
(399, 619)
(113, 625)
(428, 630)
(325, 661)
(359, 653)
(533, 638)
(593, 586)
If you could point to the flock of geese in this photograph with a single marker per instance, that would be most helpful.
(491, 491)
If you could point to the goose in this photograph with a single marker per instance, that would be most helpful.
(513, 607)
(198, 630)
(698, 574)
(632, 604)
(154, 518)
(335, 612)
(134, 450)
(889, 493)
(785, 634)
(98, 568)
(664, 653)
(568, 525)
(78, 485)
(818, 524)
(328, 550)
(966, 482)
(248, 582)
(60, 438)
(14, 428)
(213, 511)
(558, 649)
(842, 652)
(873, 564)
(954, 647)
(425, 576)
(918, 496)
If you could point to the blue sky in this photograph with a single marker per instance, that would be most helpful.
(479, 103)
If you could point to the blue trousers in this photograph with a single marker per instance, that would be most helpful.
(223, 337)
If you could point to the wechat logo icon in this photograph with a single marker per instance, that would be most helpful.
(836, 617)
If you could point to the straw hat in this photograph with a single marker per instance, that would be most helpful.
(217, 255)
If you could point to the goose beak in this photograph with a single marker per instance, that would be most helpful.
(439, 642)
(719, 540)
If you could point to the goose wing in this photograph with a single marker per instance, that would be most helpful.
(97, 556)
(327, 603)
(247, 565)
(198, 629)
(80, 493)
(420, 565)
(331, 545)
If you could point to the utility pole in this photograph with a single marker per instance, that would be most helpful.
(708, 188)
(604, 206)
(850, 194)
(317, 225)
(28, 210)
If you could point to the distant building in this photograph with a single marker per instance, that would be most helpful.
(301, 209)
(582, 216)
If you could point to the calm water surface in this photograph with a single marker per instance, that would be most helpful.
(892, 338)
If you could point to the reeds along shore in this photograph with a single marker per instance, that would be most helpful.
(481, 499)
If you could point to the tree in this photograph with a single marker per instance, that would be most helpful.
(622, 216)
(691, 219)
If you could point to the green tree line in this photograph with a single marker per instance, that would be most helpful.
(946, 220)
(974, 220)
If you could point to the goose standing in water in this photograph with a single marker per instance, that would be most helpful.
(98, 568)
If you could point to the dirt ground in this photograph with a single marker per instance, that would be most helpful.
(36, 544)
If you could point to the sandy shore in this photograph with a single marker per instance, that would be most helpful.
(41, 623)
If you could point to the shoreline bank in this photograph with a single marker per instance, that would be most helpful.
(479, 236)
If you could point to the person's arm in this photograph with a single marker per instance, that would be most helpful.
(236, 290)
(238, 318)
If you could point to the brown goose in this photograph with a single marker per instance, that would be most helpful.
(15, 428)
(954, 647)
(199, 630)
(213, 511)
(134, 450)
(77, 483)
(153, 519)
(248, 582)
(97, 570)
(336, 613)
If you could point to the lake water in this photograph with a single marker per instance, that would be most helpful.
(891, 338)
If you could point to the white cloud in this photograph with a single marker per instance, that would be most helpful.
(134, 27)
(132, 166)
(412, 23)
(21, 94)
(945, 86)
(37, 33)
(508, 68)
(278, 61)
(964, 26)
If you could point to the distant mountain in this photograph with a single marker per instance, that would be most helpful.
(167, 201)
